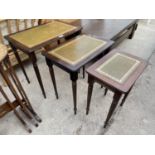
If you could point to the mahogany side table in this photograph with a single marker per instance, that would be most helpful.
(39, 37)
(117, 72)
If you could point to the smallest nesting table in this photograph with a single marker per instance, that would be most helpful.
(118, 72)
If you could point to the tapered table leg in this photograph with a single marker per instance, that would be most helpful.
(116, 98)
(36, 69)
(90, 89)
(83, 71)
(74, 77)
(20, 62)
(74, 89)
(53, 80)
(105, 92)
(133, 31)
(124, 98)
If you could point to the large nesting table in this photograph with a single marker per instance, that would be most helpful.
(37, 37)
(72, 56)
(118, 72)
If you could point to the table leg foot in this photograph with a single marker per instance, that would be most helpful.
(74, 89)
(116, 98)
(105, 92)
(133, 31)
(124, 98)
(90, 89)
(34, 114)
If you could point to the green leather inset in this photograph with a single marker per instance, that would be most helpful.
(43, 33)
(118, 67)
(78, 49)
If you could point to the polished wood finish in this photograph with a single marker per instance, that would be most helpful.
(115, 86)
(73, 68)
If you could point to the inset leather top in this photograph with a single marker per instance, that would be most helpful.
(35, 36)
(77, 49)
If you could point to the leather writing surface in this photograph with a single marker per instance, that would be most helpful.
(43, 33)
(119, 67)
(77, 49)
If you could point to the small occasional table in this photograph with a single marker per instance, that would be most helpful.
(73, 55)
(37, 37)
(118, 72)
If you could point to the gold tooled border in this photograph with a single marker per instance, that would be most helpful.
(125, 75)
(84, 56)
(58, 34)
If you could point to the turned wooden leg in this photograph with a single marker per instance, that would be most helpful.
(74, 89)
(133, 31)
(36, 69)
(105, 91)
(116, 98)
(83, 71)
(20, 62)
(124, 98)
(53, 80)
(89, 95)
(74, 77)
